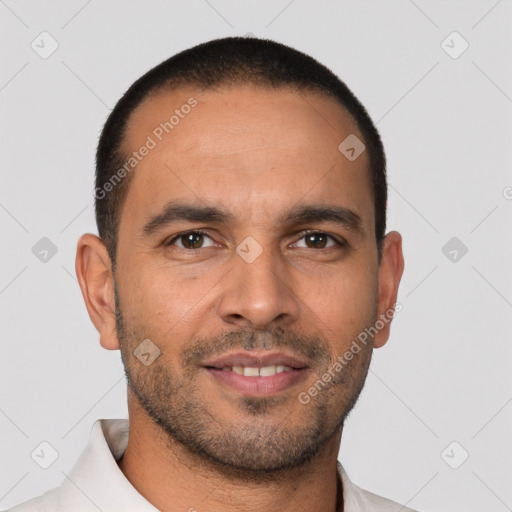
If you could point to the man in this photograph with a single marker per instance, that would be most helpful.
(243, 271)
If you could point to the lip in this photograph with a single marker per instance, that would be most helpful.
(257, 359)
(257, 386)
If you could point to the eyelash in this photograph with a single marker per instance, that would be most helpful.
(340, 243)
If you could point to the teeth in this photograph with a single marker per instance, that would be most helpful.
(267, 371)
(251, 371)
(238, 369)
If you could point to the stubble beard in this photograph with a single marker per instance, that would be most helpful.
(260, 444)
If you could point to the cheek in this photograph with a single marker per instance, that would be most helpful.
(345, 304)
(164, 299)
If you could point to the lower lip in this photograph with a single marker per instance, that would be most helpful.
(258, 386)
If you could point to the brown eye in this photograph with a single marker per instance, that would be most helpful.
(316, 240)
(319, 240)
(190, 240)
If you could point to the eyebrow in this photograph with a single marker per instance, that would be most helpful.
(174, 212)
(302, 214)
(311, 213)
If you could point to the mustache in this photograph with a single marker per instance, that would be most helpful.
(313, 349)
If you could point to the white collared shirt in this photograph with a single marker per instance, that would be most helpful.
(96, 483)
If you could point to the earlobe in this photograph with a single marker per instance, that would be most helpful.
(94, 272)
(390, 273)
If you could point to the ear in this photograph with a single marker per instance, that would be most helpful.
(94, 271)
(390, 272)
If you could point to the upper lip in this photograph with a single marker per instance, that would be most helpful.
(256, 360)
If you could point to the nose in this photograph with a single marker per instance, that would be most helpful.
(259, 294)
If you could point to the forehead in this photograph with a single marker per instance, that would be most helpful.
(247, 146)
(236, 110)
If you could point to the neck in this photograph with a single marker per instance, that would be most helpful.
(172, 478)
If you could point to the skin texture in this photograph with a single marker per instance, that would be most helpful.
(257, 153)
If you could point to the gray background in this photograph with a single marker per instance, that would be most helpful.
(446, 124)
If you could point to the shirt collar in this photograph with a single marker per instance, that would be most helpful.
(96, 481)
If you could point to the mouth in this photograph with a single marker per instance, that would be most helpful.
(257, 375)
(255, 371)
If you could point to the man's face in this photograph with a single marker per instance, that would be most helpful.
(255, 288)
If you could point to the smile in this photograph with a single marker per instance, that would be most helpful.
(254, 371)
